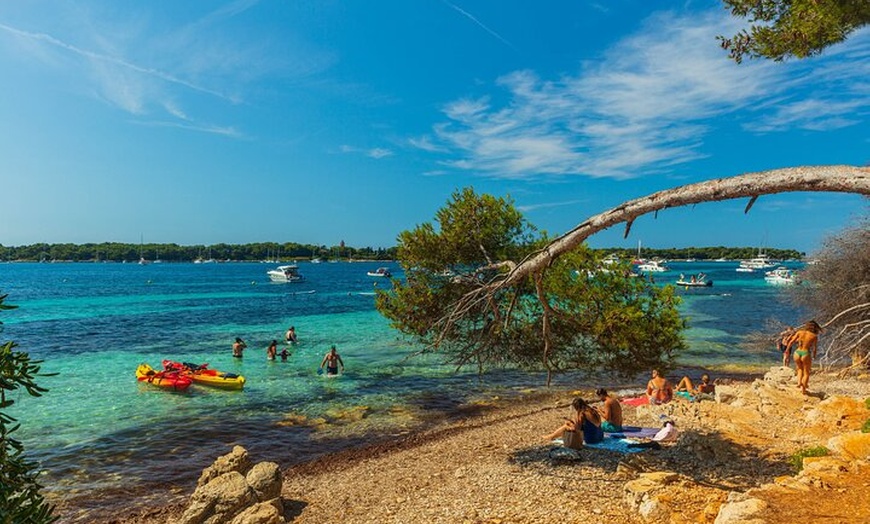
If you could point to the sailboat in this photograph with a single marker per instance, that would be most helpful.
(142, 260)
(157, 256)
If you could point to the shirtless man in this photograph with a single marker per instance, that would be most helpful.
(611, 412)
(290, 336)
(332, 361)
(705, 387)
(238, 347)
(807, 340)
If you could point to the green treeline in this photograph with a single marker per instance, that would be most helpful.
(119, 252)
(707, 253)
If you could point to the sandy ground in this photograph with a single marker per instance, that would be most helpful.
(495, 467)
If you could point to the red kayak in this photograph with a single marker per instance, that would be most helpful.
(162, 379)
(201, 374)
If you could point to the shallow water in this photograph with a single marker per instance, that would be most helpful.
(93, 324)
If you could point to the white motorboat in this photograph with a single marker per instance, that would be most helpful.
(782, 275)
(699, 280)
(285, 274)
(652, 266)
(380, 272)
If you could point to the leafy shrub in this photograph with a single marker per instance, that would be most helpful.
(797, 460)
(866, 427)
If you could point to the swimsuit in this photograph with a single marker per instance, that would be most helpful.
(610, 428)
(332, 371)
(801, 353)
(592, 434)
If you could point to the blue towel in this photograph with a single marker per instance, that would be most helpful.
(619, 445)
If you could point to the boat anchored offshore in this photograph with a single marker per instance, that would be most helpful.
(285, 274)
(380, 272)
(652, 266)
(694, 281)
(782, 275)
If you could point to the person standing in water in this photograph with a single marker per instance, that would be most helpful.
(238, 347)
(807, 340)
(290, 336)
(272, 350)
(332, 361)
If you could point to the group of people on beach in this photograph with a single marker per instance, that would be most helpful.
(331, 360)
(805, 340)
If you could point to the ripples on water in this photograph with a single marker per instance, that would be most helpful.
(94, 323)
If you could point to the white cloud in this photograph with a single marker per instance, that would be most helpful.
(646, 104)
(376, 152)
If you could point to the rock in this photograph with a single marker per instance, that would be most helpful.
(265, 478)
(642, 493)
(236, 460)
(851, 445)
(220, 500)
(726, 394)
(263, 513)
(741, 509)
(780, 376)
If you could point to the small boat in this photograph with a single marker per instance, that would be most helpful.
(694, 281)
(380, 272)
(162, 379)
(285, 274)
(782, 275)
(201, 374)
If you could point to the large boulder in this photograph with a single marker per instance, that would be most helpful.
(741, 509)
(853, 446)
(236, 460)
(220, 500)
(232, 491)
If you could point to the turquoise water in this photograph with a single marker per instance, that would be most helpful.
(93, 324)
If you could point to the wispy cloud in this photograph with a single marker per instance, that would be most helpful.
(376, 152)
(544, 205)
(646, 105)
(480, 24)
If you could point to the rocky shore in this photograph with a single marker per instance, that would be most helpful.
(736, 460)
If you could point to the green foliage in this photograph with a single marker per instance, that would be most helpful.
(867, 403)
(865, 428)
(797, 460)
(20, 500)
(780, 29)
(584, 318)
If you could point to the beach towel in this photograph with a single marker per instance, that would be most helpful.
(633, 432)
(619, 445)
(636, 401)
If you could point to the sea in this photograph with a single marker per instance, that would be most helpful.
(101, 438)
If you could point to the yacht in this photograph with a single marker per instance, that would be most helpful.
(652, 266)
(380, 272)
(781, 275)
(288, 273)
(762, 261)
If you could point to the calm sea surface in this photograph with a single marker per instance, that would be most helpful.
(98, 429)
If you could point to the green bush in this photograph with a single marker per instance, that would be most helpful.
(866, 427)
(797, 460)
(867, 403)
(20, 499)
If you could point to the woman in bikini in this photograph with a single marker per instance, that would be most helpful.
(807, 340)
(586, 419)
(659, 390)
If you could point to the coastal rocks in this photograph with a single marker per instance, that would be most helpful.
(232, 491)
(741, 509)
(780, 376)
(853, 446)
(644, 494)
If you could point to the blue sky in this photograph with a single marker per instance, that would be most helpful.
(315, 122)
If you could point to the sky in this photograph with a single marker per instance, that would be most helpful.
(319, 122)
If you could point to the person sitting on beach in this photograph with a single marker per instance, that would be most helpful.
(705, 388)
(782, 347)
(806, 339)
(586, 420)
(272, 350)
(238, 347)
(332, 361)
(610, 411)
(659, 390)
(290, 336)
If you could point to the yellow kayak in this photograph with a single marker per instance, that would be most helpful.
(207, 377)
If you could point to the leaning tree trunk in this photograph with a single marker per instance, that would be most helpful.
(841, 179)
